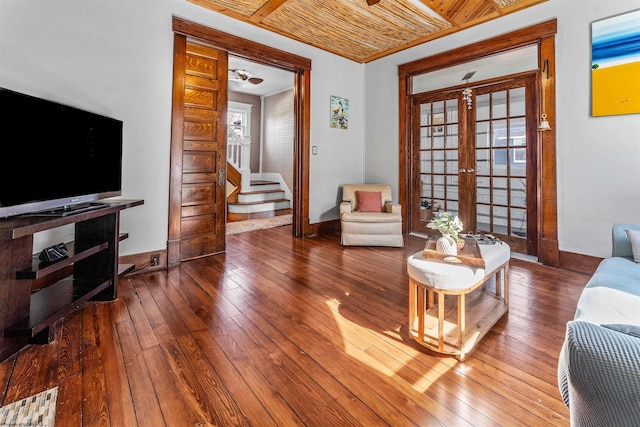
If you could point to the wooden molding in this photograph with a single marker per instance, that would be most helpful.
(542, 34)
(268, 55)
(242, 47)
(571, 261)
(142, 261)
(481, 49)
(578, 262)
(324, 227)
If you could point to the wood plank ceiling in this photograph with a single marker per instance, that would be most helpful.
(363, 33)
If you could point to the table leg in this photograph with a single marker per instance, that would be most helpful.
(421, 310)
(440, 321)
(506, 284)
(462, 321)
(413, 289)
(430, 299)
(499, 282)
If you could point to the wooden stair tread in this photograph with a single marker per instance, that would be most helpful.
(261, 192)
(263, 182)
(259, 202)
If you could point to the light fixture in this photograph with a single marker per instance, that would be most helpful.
(244, 75)
(544, 124)
(467, 93)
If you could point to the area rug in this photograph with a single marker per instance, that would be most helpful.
(258, 224)
(38, 410)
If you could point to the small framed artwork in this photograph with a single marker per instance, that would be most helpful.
(615, 65)
(339, 113)
(438, 124)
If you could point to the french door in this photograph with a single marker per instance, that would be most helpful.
(476, 157)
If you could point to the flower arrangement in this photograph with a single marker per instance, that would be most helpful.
(446, 223)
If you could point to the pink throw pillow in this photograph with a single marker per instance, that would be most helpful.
(369, 201)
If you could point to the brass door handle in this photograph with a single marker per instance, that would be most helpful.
(221, 177)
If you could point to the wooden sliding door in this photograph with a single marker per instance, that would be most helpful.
(198, 151)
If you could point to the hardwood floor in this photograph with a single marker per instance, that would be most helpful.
(282, 331)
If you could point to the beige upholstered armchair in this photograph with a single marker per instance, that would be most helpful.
(368, 217)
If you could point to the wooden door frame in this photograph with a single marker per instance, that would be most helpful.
(301, 67)
(543, 35)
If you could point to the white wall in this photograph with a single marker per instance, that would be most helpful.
(598, 157)
(114, 57)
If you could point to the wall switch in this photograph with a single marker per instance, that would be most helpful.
(314, 150)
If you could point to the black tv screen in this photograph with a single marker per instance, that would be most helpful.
(54, 155)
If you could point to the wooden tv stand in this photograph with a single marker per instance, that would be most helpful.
(35, 296)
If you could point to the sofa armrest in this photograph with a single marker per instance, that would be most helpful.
(599, 375)
(392, 208)
(621, 245)
(345, 207)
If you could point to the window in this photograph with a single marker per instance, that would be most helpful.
(239, 118)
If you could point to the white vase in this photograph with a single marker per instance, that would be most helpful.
(446, 245)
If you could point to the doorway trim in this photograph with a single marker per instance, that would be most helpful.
(301, 67)
(544, 35)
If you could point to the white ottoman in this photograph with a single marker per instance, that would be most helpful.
(444, 329)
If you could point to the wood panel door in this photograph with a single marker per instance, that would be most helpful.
(198, 152)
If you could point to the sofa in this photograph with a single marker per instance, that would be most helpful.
(599, 363)
(368, 216)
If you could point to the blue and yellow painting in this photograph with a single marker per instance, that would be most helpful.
(339, 113)
(615, 65)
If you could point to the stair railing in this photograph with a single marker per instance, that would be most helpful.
(239, 155)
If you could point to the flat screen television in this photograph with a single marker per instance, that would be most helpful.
(54, 157)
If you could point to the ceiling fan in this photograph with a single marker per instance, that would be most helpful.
(244, 75)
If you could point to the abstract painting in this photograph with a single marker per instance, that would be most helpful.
(339, 113)
(615, 65)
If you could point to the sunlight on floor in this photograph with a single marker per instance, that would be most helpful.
(388, 354)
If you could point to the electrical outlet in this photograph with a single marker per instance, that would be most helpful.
(314, 150)
(155, 260)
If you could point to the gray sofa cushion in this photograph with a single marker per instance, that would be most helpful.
(612, 295)
(599, 376)
(633, 330)
(634, 238)
(621, 245)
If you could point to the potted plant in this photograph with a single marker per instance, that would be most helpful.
(450, 227)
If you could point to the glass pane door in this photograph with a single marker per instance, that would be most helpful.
(503, 146)
(438, 189)
(478, 161)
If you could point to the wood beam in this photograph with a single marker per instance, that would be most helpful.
(265, 10)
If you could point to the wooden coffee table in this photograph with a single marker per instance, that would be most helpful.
(465, 311)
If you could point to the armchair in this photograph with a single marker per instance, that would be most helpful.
(368, 217)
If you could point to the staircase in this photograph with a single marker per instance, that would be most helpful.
(262, 196)
(252, 194)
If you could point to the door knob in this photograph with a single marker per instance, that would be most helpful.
(462, 171)
(470, 170)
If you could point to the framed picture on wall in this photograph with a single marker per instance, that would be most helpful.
(339, 114)
(615, 65)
